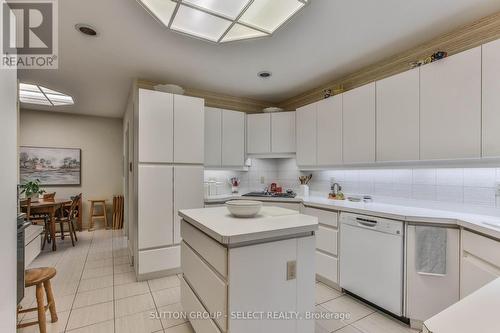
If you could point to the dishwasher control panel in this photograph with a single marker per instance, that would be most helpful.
(374, 223)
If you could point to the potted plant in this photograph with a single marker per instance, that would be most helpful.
(32, 190)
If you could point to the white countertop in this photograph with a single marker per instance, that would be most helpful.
(477, 312)
(488, 225)
(271, 222)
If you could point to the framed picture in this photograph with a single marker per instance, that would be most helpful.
(52, 166)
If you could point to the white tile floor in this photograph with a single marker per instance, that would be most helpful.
(96, 292)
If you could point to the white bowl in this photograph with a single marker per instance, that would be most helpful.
(244, 208)
(272, 109)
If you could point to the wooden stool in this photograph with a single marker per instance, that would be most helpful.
(40, 277)
(93, 215)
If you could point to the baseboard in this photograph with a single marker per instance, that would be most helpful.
(157, 275)
(328, 282)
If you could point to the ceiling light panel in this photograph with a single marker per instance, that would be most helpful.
(162, 9)
(200, 24)
(239, 31)
(269, 15)
(228, 8)
(224, 20)
(33, 94)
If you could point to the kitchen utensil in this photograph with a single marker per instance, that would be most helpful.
(244, 208)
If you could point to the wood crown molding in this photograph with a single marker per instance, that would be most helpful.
(216, 100)
(466, 37)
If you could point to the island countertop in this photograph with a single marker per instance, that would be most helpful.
(271, 222)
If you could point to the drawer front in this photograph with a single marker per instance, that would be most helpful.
(327, 266)
(481, 247)
(324, 217)
(287, 205)
(475, 274)
(191, 304)
(326, 240)
(214, 253)
(32, 250)
(211, 290)
(159, 259)
(32, 232)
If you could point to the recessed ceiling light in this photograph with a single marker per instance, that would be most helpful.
(223, 21)
(264, 74)
(86, 29)
(35, 94)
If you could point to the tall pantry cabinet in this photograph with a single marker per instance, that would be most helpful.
(170, 153)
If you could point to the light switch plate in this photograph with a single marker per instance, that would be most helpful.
(291, 270)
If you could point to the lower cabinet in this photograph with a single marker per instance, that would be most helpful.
(429, 294)
(288, 205)
(32, 243)
(227, 281)
(327, 262)
(480, 262)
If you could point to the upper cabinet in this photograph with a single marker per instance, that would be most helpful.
(358, 130)
(398, 109)
(224, 138)
(271, 134)
(283, 132)
(233, 138)
(329, 130)
(259, 133)
(306, 118)
(189, 128)
(491, 99)
(156, 129)
(450, 107)
(213, 137)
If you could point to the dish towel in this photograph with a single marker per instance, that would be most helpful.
(430, 250)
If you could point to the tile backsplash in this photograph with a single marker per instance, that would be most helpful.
(466, 186)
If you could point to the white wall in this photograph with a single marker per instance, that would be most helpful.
(8, 182)
(102, 151)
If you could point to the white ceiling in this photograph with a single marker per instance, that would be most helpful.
(329, 38)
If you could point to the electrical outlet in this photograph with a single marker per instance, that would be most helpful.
(262, 179)
(291, 270)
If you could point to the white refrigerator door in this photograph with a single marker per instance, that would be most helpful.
(188, 193)
(371, 266)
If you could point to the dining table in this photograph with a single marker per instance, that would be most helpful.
(50, 207)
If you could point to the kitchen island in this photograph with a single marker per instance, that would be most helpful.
(248, 274)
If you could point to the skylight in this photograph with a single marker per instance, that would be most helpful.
(223, 21)
(35, 94)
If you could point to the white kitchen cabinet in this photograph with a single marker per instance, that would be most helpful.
(306, 123)
(429, 294)
(155, 193)
(329, 131)
(213, 137)
(259, 133)
(287, 205)
(156, 120)
(189, 129)
(233, 138)
(217, 278)
(283, 132)
(188, 193)
(480, 262)
(450, 107)
(327, 236)
(398, 112)
(491, 99)
(358, 130)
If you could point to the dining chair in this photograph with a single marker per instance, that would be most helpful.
(25, 205)
(49, 196)
(69, 218)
